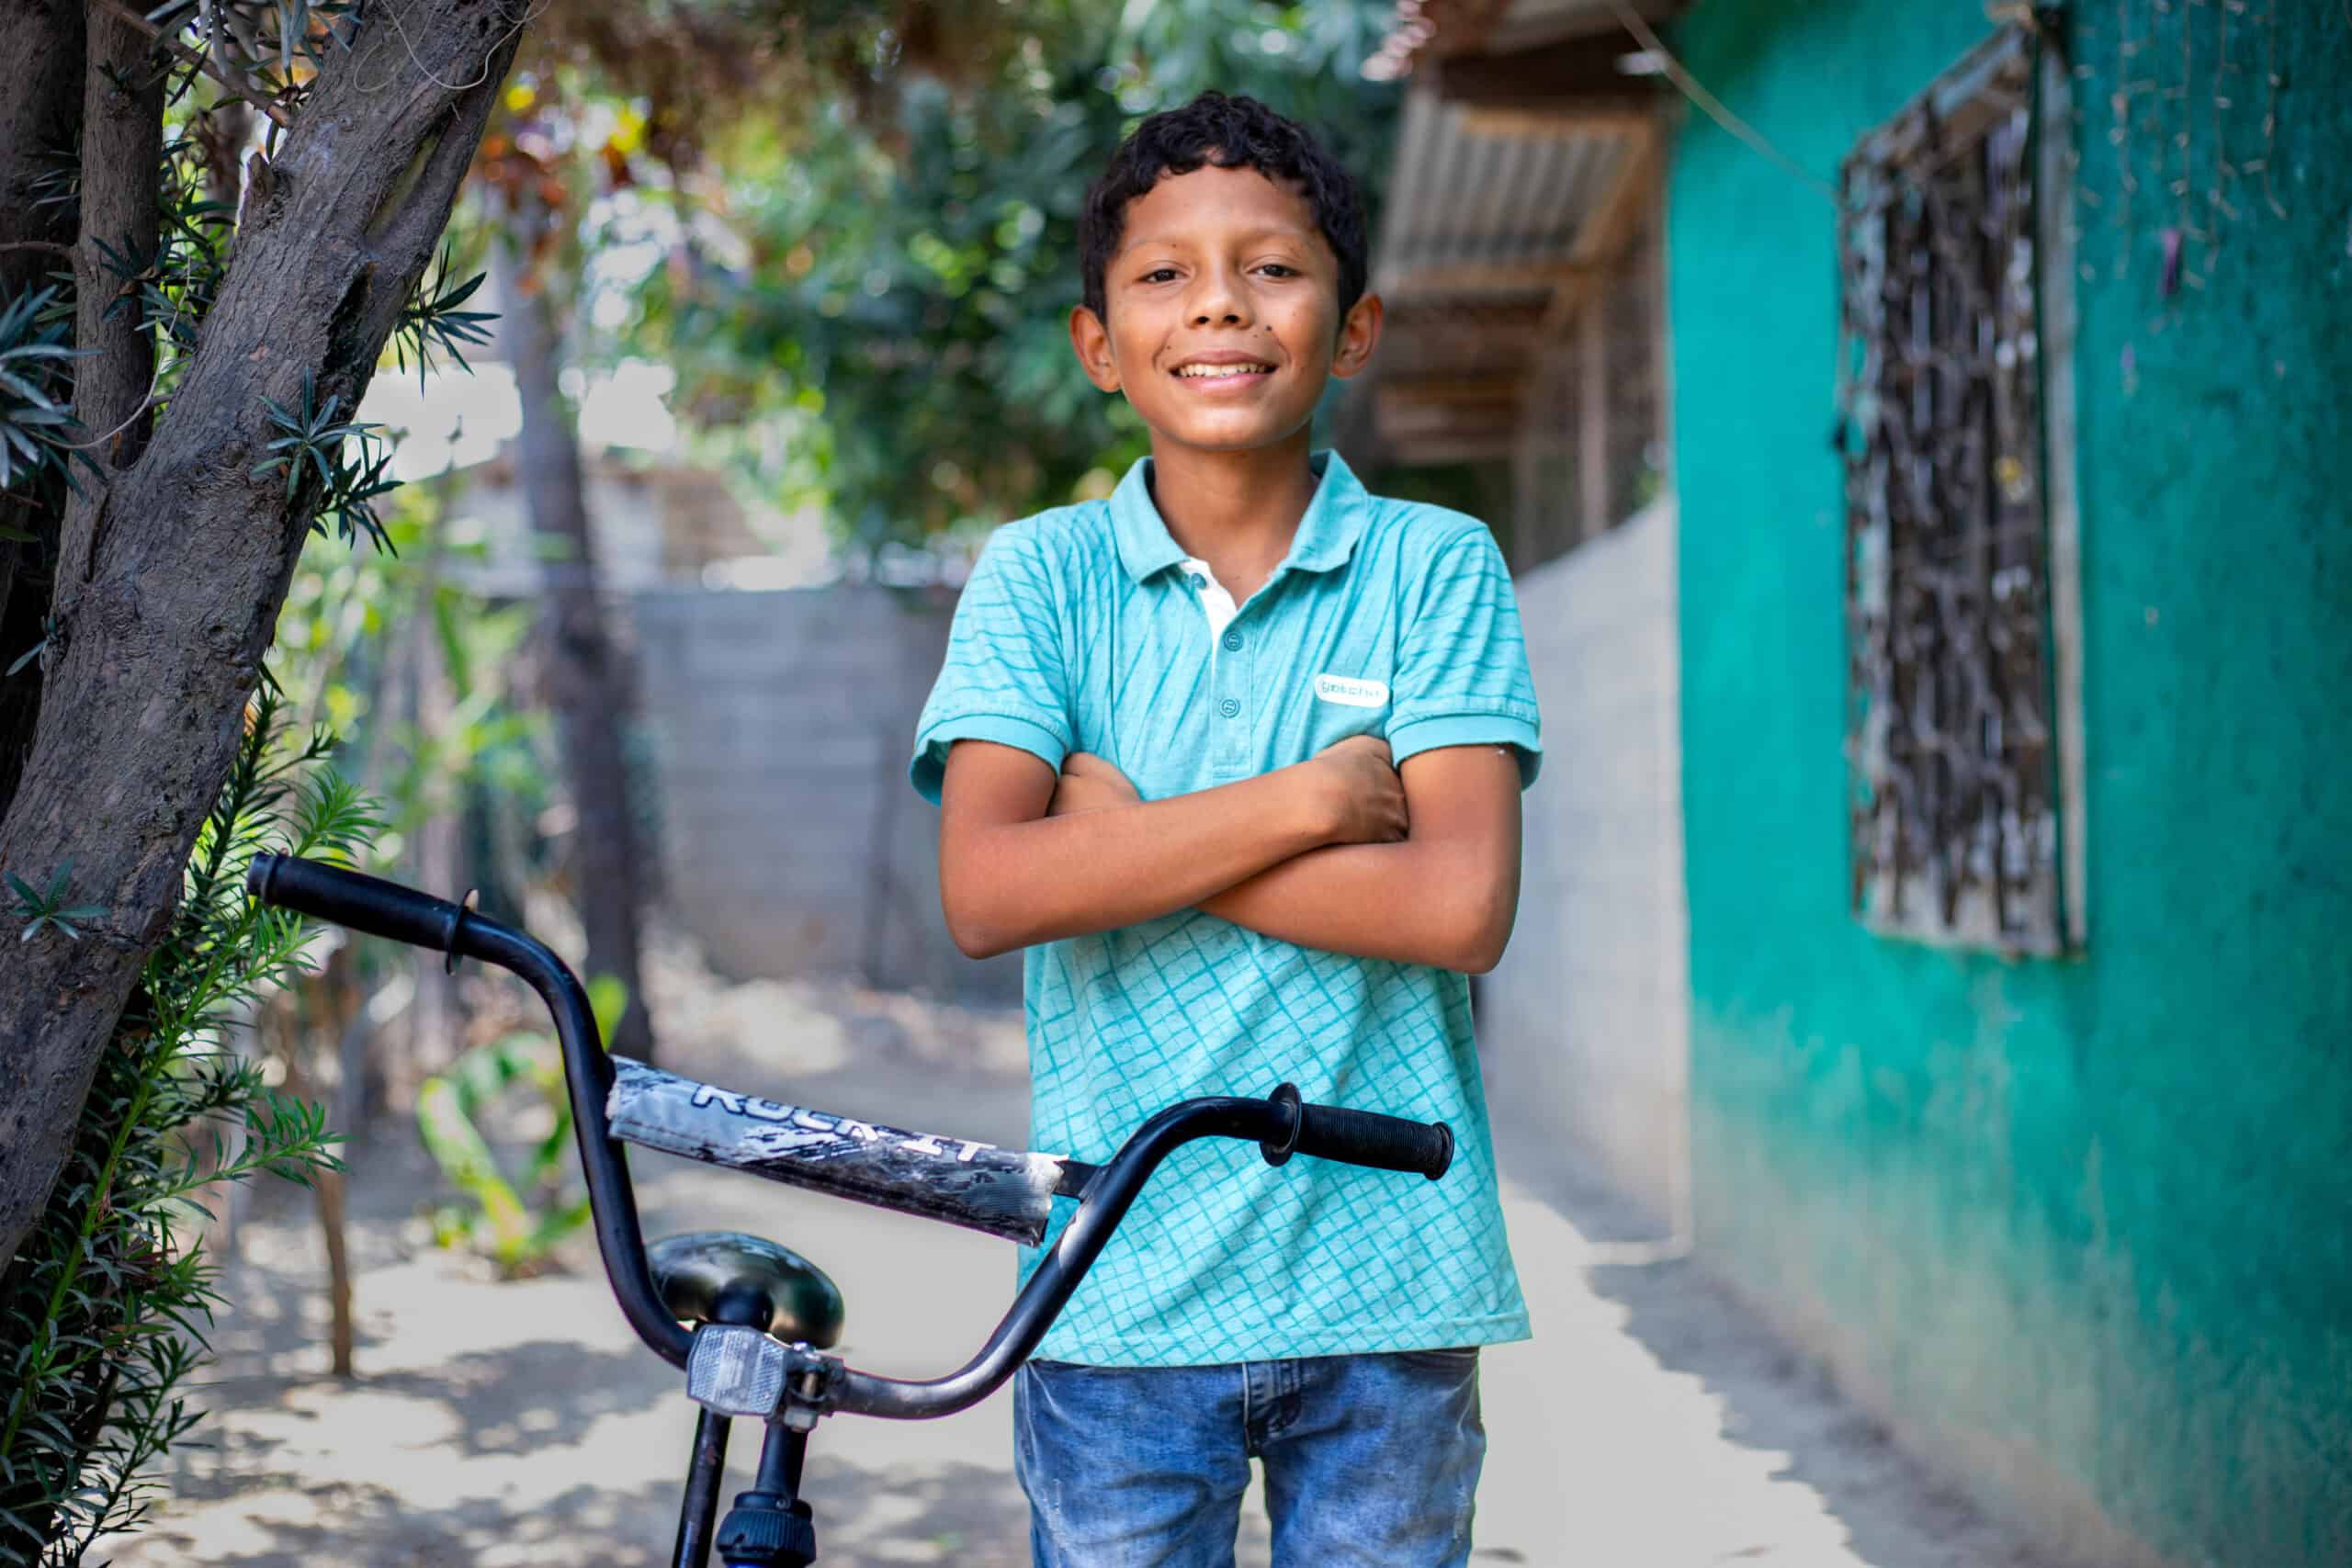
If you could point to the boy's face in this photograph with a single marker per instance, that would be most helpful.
(1224, 312)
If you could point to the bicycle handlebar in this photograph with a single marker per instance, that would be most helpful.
(383, 909)
(1282, 1124)
(1363, 1137)
(358, 901)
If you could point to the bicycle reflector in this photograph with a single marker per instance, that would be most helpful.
(736, 1370)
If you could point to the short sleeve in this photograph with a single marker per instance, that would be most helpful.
(1003, 678)
(1462, 676)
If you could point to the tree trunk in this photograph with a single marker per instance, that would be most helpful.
(168, 587)
(122, 156)
(587, 681)
(40, 120)
(339, 1000)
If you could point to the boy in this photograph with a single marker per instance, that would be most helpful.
(1236, 756)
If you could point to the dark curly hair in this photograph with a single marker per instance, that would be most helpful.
(1231, 133)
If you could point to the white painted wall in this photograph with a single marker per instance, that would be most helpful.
(1585, 1025)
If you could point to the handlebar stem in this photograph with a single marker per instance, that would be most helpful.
(1103, 1205)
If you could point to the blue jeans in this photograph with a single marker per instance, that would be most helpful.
(1372, 1461)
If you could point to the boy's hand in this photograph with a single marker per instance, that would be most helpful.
(1089, 783)
(1367, 797)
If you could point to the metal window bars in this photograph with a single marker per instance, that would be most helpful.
(1953, 822)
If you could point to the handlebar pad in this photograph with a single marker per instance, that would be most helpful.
(1003, 1193)
(351, 898)
(1363, 1137)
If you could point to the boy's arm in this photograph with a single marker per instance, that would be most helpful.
(1447, 895)
(1009, 876)
(1464, 727)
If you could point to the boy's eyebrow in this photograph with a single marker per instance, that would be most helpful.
(1272, 231)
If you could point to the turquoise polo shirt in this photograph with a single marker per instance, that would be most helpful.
(1087, 629)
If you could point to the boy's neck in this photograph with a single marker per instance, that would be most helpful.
(1238, 511)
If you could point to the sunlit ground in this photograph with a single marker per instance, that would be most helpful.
(500, 1424)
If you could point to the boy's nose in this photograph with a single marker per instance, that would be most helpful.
(1218, 302)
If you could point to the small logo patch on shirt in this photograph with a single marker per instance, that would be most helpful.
(1350, 692)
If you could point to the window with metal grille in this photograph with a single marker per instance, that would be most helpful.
(1958, 485)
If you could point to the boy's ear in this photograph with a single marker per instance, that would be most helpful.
(1091, 340)
(1359, 335)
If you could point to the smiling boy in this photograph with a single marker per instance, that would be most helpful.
(1236, 756)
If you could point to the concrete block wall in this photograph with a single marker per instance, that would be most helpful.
(781, 723)
(1585, 1025)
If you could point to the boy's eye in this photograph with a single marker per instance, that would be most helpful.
(1158, 275)
(1278, 270)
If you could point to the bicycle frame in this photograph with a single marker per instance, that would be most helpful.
(792, 1386)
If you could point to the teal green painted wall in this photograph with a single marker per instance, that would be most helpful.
(2082, 1228)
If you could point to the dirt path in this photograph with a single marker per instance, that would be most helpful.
(1649, 1426)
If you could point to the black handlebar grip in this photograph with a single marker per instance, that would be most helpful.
(352, 899)
(1362, 1137)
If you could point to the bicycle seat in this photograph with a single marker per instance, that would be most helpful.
(789, 1296)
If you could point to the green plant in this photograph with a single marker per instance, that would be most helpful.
(36, 399)
(432, 320)
(313, 443)
(104, 1311)
(910, 276)
(515, 1223)
(47, 907)
(123, 1105)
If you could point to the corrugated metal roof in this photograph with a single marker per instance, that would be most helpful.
(1527, 24)
(1484, 192)
(1524, 171)
(1495, 27)
(1498, 221)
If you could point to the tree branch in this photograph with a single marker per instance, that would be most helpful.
(277, 116)
(40, 121)
(178, 596)
(122, 154)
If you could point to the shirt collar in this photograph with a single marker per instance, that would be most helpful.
(1326, 538)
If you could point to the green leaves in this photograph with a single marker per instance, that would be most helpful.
(104, 1313)
(311, 436)
(431, 318)
(272, 34)
(35, 395)
(47, 907)
(516, 1223)
(896, 346)
(312, 446)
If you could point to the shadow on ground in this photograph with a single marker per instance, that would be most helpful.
(1651, 1423)
(957, 1514)
(1882, 1507)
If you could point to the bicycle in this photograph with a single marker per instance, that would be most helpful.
(748, 1320)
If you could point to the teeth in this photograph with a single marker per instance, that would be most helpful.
(1220, 371)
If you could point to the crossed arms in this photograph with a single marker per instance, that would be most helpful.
(1341, 852)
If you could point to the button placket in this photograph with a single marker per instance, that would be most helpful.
(1229, 713)
(1231, 667)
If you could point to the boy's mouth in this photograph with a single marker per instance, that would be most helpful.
(1222, 369)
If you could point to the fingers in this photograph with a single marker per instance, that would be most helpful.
(1074, 793)
(1371, 745)
(1087, 765)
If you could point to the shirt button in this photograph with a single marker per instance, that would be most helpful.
(1198, 580)
(1229, 708)
(1233, 642)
